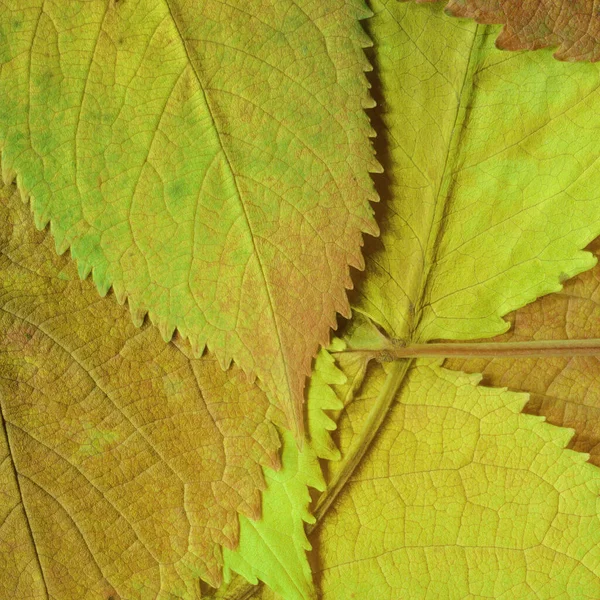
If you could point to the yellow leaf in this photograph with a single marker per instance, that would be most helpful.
(460, 496)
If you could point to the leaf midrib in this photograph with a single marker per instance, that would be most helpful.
(401, 366)
(297, 427)
(397, 375)
(445, 190)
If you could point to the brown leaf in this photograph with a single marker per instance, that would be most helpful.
(572, 26)
(123, 460)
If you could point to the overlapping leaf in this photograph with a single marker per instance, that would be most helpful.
(486, 149)
(124, 460)
(460, 496)
(563, 389)
(572, 25)
(273, 549)
(209, 161)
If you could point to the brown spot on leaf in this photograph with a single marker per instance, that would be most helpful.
(570, 26)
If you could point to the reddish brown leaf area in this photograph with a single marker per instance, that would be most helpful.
(572, 26)
(124, 461)
(564, 390)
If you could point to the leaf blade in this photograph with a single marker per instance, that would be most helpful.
(21, 575)
(213, 226)
(133, 458)
(477, 195)
(459, 497)
(564, 391)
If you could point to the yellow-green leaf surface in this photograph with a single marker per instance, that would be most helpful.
(564, 389)
(273, 548)
(124, 461)
(207, 160)
(571, 25)
(492, 183)
(460, 496)
(490, 195)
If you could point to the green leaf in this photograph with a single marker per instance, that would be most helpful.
(491, 185)
(273, 548)
(207, 161)
(461, 496)
(124, 461)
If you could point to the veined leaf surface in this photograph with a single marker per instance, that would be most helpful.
(492, 195)
(461, 496)
(566, 390)
(124, 461)
(492, 183)
(207, 160)
(571, 25)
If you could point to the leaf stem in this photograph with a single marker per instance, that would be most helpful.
(362, 442)
(531, 349)
(243, 590)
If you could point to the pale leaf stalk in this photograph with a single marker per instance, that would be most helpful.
(362, 442)
(529, 349)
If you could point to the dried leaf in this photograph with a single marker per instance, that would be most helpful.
(208, 162)
(571, 25)
(124, 461)
(491, 181)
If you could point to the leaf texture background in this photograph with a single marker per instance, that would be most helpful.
(125, 461)
(486, 149)
(207, 162)
(571, 25)
(461, 495)
(233, 150)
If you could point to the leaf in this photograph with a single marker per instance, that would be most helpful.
(124, 461)
(563, 389)
(485, 152)
(273, 548)
(572, 25)
(460, 496)
(206, 162)
(445, 490)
